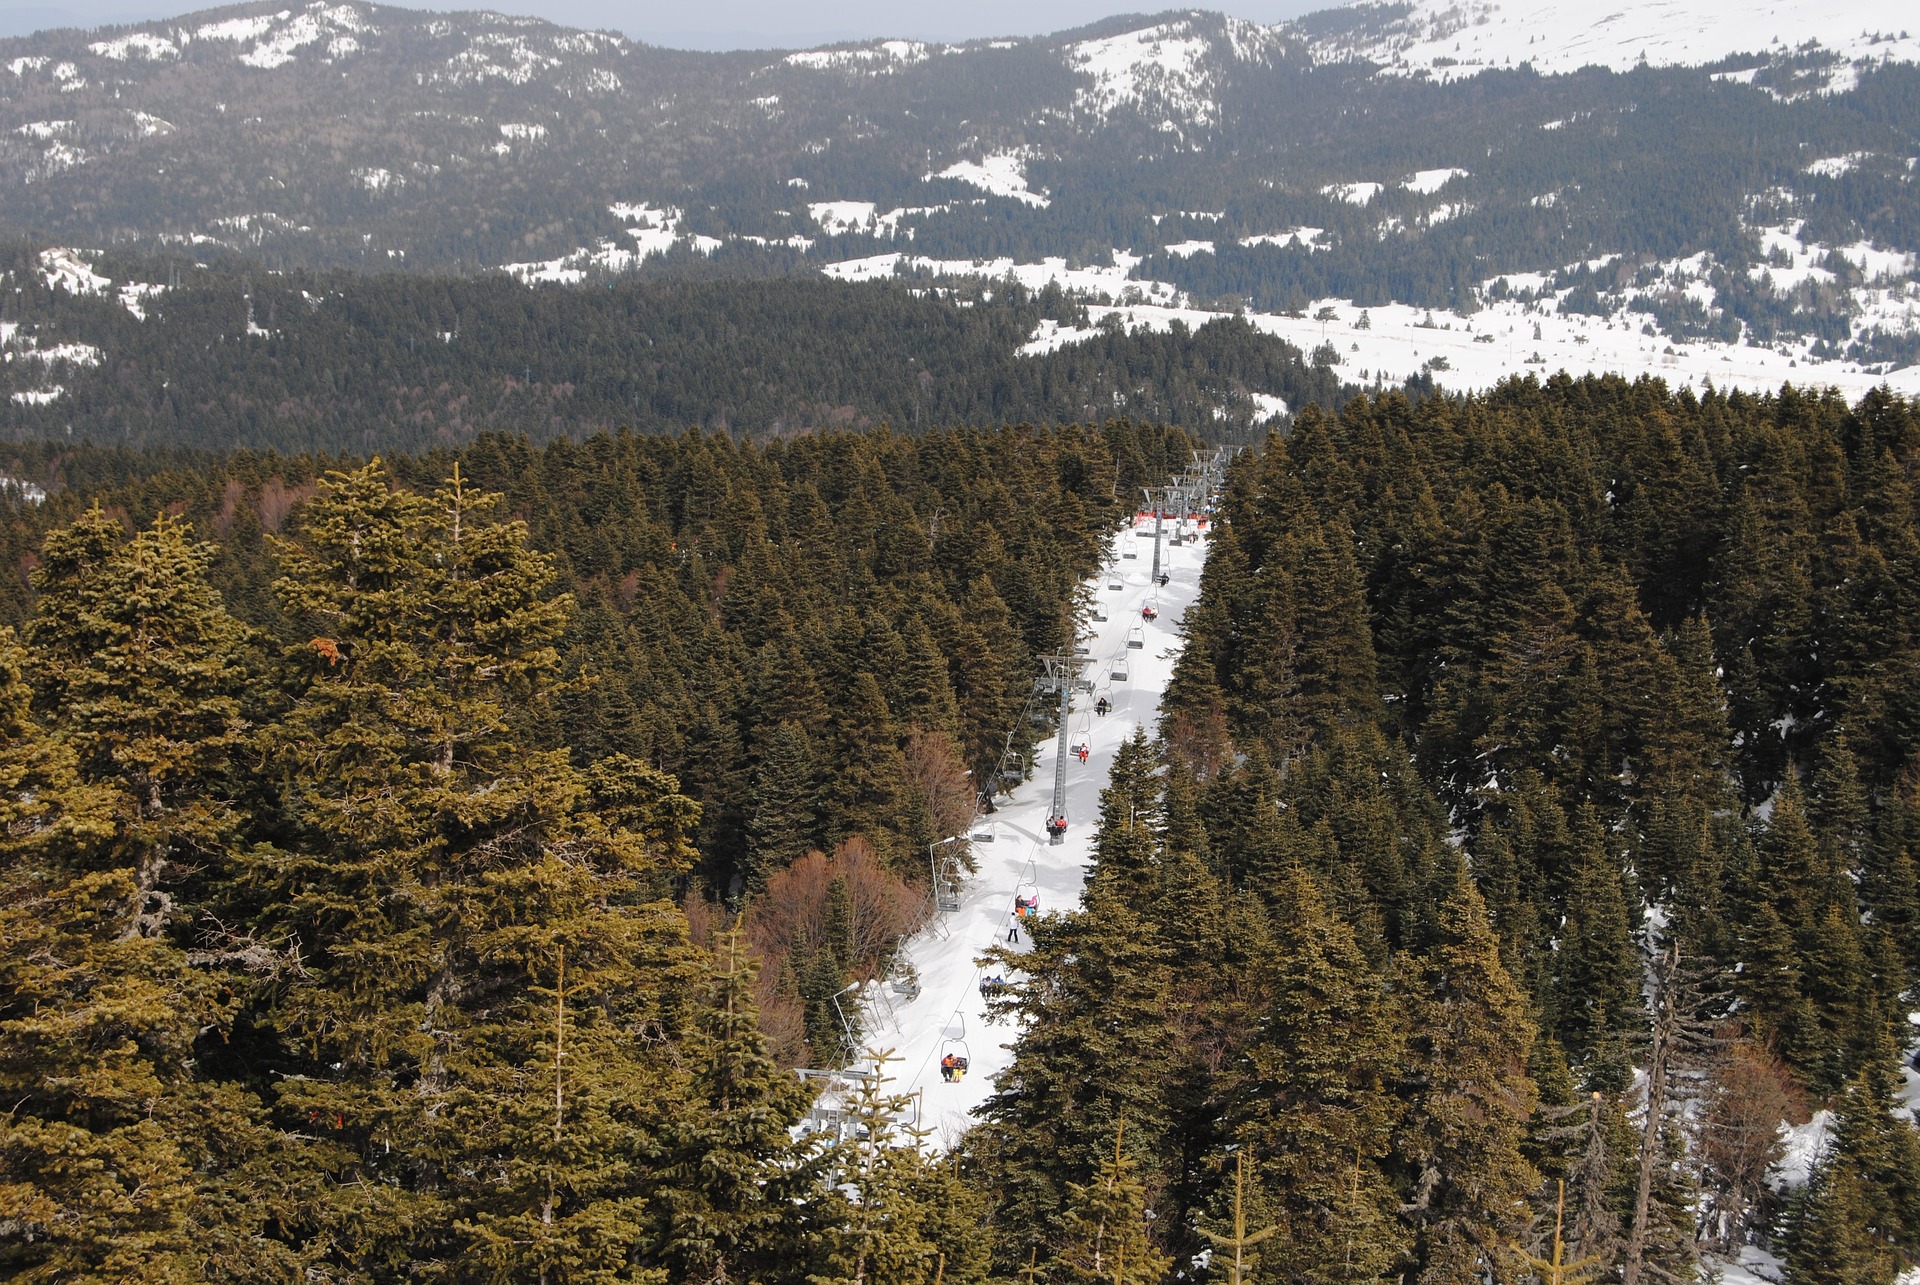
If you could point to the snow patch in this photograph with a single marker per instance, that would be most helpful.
(139, 44)
(1352, 193)
(1835, 166)
(1000, 173)
(64, 269)
(881, 58)
(1451, 40)
(1427, 182)
(836, 217)
(1302, 238)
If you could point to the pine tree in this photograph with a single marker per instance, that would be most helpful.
(122, 1158)
(1103, 1235)
(1597, 968)
(481, 921)
(737, 1193)
(1466, 1092)
(1311, 1099)
(905, 1218)
(782, 825)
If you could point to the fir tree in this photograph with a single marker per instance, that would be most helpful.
(1103, 1235)
(1466, 1092)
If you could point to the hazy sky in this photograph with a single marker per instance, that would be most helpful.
(718, 24)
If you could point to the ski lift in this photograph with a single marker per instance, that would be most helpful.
(1130, 548)
(829, 1112)
(948, 877)
(1099, 611)
(1013, 769)
(1136, 638)
(1119, 671)
(954, 1055)
(1115, 581)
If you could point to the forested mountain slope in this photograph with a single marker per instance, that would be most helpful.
(1536, 807)
(1708, 181)
(341, 362)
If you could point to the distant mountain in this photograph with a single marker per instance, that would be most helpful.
(1698, 176)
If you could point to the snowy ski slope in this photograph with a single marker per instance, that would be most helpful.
(1019, 860)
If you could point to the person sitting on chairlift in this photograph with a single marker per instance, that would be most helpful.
(953, 1067)
(1103, 707)
(1148, 613)
(1164, 577)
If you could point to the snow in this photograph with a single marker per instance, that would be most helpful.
(1427, 182)
(44, 129)
(133, 297)
(1163, 64)
(1805, 1143)
(881, 58)
(1187, 249)
(1835, 166)
(148, 125)
(835, 217)
(1456, 39)
(64, 269)
(138, 44)
(1352, 193)
(1755, 1266)
(238, 29)
(33, 62)
(280, 34)
(1301, 238)
(1268, 406)
(523, 133)
(1020, 861)
(38, 396)
(1000, 173)
(654, 231)
(375, 179)
(1098, 282)
(1396, 345)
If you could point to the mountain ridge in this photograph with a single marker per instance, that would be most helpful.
(1760, 202)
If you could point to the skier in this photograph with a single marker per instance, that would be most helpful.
(1103, 707)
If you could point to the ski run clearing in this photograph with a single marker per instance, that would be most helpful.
(949, 1013)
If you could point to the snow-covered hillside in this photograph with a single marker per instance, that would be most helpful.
(949, 1014)
(1454, 39)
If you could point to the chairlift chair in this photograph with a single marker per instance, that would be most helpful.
(1130, 548)
(1119, 671)
(1099, 611)
(954, 1055)
(1137, 638)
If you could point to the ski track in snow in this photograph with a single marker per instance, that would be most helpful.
(1020, 859)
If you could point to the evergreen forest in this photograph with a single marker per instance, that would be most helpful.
(432, 866)
(335, 362)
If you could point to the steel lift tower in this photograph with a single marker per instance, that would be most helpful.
(1063, 676)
